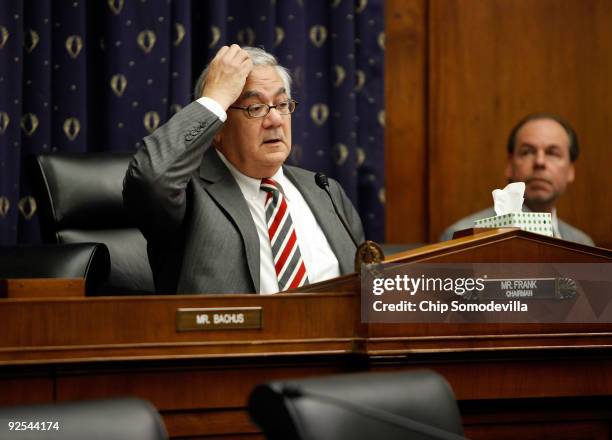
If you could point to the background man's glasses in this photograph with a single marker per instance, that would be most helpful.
(262, 110)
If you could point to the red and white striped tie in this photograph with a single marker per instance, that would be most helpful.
(288, 263)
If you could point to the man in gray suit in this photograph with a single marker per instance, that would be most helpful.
(542, 149)
(233, 218)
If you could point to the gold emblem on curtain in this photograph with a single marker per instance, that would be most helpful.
(175, 108)
(27, 207)
(29, 123)
(360, 80)
(381, 118)
(180, 34)
(4, 121)
(335, 3)
(74, 44)
(151, 121)
(296, 153)
(146, 40)
(246, 37)
(342, 153)
(319, 113)
(340, 75)
(361, 156)
(216, 36)
(381, 40)
(382, 195)
(118, 84)
(116, 6)
(298, 76)
(4, 206)
(72, 128)
(318, 35)
(280, 35)
(4, 34)
(31, 42)
(361, 4)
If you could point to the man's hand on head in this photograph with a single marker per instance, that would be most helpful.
(227, 75)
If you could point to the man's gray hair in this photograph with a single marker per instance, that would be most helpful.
(259, 57)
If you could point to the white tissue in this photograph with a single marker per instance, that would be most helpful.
(510, 199)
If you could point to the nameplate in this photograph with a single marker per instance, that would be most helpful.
(221, 318)
(528, 288)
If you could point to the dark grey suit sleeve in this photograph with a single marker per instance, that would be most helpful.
(154, 189)
(466, 223)
(348, 210)
(448, 233)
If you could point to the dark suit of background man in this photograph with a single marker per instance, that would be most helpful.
(205, 214)
(542, 149)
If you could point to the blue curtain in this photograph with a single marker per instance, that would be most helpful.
(98, 76)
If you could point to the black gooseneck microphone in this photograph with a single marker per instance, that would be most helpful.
(321, 181)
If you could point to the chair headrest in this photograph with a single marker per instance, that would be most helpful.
(111, 419)
(357, 406)
(75, 260)
(83, 190)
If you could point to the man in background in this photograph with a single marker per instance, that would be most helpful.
(542, 149)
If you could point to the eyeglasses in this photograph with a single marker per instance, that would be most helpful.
(261, 110)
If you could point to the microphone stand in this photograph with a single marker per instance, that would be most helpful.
(368, 252)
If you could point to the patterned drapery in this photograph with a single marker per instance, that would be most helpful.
(98, 76)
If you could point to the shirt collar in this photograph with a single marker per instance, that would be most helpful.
(249, 186)
(555, 223)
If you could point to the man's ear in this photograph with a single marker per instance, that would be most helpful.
(509, 168)
(571, 173)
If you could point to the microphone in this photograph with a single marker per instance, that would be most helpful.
(291, 391)
(321, 181)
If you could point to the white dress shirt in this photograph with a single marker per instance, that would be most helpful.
(320, 261)
(214, 107)
(555, 224)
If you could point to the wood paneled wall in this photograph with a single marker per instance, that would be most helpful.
(460, 73)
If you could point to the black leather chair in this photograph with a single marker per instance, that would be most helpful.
(112, 419)
(75, 260)
(80, 199)
(415, 405)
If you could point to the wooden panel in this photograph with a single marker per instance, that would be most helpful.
(207, 423)
(490, 63)
(405, 152)
(42, 287)
(533, 378)
(589, 430)
(196, 398)
(65, 349)
(176, 387)
(135, 327)
(514, 375)
(25, 390)
(531, 419)
(122, 328)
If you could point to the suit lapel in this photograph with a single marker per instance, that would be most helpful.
(321, 207)
(564, 230)
(221, 185)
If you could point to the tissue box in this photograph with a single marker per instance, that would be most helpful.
(538, 222)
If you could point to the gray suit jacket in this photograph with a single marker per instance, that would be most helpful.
(200, 235)
(567, 231)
